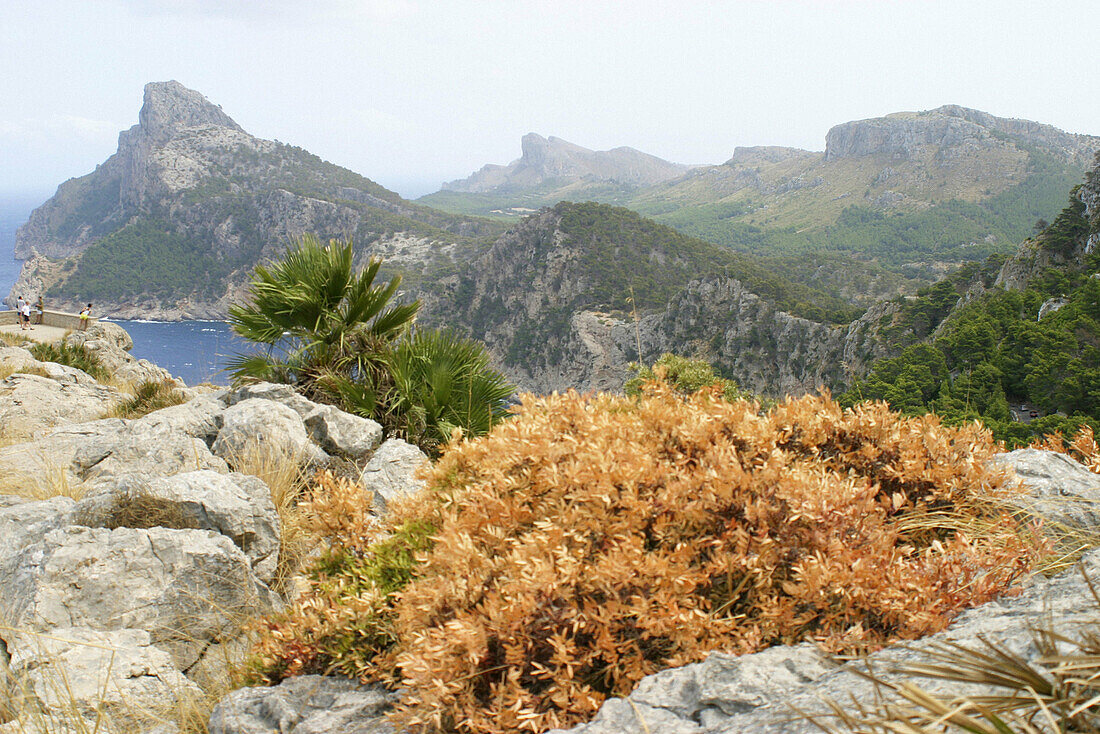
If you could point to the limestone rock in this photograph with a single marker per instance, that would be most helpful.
(390, 473)
(65, 373)
(237, 506)
(118, 676)
(30, 404)
(263, 424)
(200, 417)
(16, 358)
(187, 588)
(109, 344)
(329, 427)
(24, 521)
(343, 434)
(1059, 488)
(308, 704)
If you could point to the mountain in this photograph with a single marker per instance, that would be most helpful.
(171, 225)
(552, 170)
(1013, 342)
(914, 193)
(572, 294)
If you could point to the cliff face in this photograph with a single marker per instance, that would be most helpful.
(171, 224)
(553, 159)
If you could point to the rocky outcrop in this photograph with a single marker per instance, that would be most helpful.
(555, 160)
(237, 506)
(392, 473)
(84, 675)
(187, 588)
(31, 404)
(309, 704)
(952, 131)
(118, 606)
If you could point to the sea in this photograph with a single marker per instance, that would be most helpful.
(195, 351)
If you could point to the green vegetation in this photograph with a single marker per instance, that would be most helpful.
(71, 355)
(337, 336)
(149, 396)
(993, 352)
(623, 250)
(684, 375)
(149, 256)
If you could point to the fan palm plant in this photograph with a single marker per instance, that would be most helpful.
(318, 317)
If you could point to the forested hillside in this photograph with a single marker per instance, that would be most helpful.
(1013, 343)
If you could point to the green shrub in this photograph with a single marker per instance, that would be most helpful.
(149, 396)
(71, 355)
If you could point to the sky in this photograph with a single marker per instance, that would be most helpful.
(411, 93)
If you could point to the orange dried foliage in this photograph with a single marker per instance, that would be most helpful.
(592, 541)
(1083, 447)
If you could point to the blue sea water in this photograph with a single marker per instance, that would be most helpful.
(195, 351)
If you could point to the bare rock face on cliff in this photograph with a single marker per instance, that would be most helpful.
(553, 160)
(171, 224)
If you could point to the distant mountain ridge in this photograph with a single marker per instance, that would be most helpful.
(916, 192)
(552, 159)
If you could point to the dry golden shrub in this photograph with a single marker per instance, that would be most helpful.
(592, 541)
(1082, 447)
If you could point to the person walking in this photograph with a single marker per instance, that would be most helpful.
(85, 314)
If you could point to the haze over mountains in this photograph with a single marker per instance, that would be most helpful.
(914, 193)
(778, 251)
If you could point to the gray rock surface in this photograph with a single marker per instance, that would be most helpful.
(117, 676)
(24, 521)
(187, 588)
(110, 447)
(238, 506)
(30, 405)
(258, 424)
(391, 472)
(1059, 488)
(332, 429)
(309, 704)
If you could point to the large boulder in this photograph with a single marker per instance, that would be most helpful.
(89, 675)
(391, 473)
(1059, 489)
(187, 588)
(259, 424)
(337, 432)
(200, 417)
(110, 447)
(31, 404)
(308, 704)
(237, 506)
(13, 359)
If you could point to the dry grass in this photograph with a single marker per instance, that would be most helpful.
(282, 470)
(146, 398)
(46, 480)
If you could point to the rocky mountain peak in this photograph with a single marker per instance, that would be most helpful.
(553, 159)
(169, 106)
(912, 135)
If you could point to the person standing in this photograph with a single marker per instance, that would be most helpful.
(41, 306)
(85, 314)
(25, 315)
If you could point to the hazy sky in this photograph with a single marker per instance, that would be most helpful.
(415, 92)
